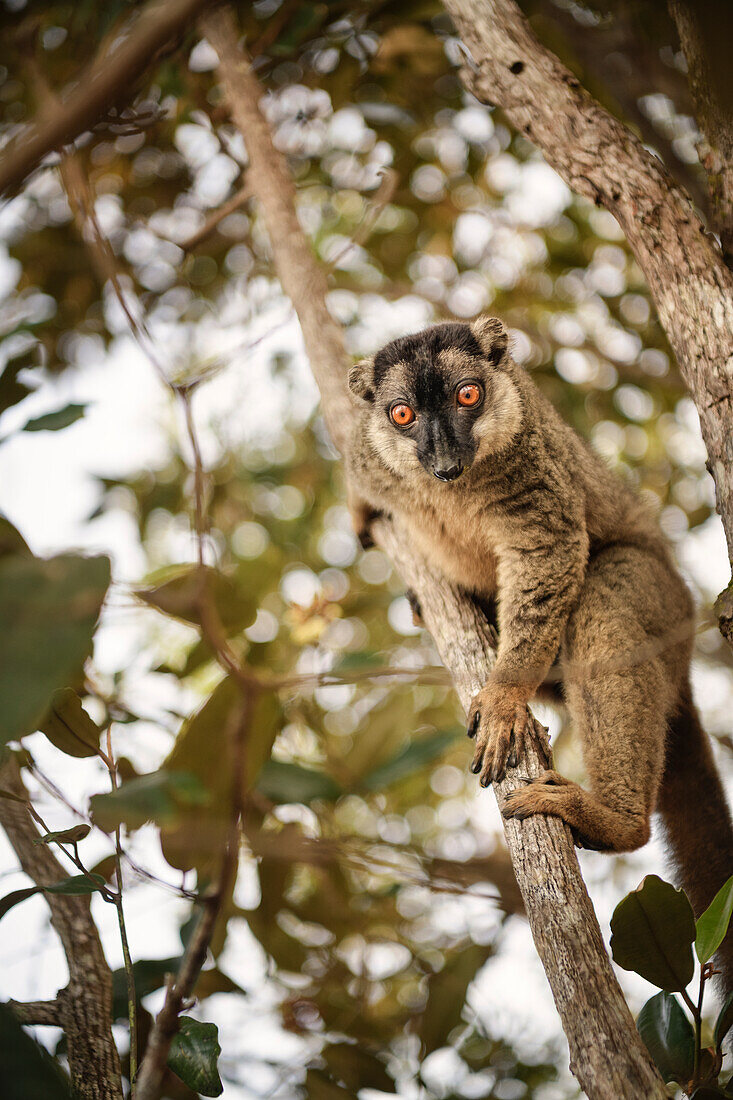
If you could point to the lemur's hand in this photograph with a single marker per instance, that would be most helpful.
(498, 719)
(362, 518)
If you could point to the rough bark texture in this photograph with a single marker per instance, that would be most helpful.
(606, 1052)
(111, 79)
(705, 35)
(600, 158)
(84, 1006)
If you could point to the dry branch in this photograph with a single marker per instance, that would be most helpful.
(110, 79)
(606, 1052)
(84, 1007)
(598, 157)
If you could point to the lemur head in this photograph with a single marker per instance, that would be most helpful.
(440, 399)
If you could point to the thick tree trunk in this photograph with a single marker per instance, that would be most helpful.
(600, 158)
(83, 1008)
(607, 1054)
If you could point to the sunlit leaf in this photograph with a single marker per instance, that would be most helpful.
(653, 929)
(53, 422)
(194, 1054)
(159, 796)
(712, 925)
(669, 1037)
(68, 726)
(65, 836)
(49, 609)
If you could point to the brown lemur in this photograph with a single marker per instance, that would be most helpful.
(455, 440)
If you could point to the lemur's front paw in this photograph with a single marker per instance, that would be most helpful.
(498, 719)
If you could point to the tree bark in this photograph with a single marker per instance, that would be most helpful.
(598, 157)
(607, 1054)
(84, 1007)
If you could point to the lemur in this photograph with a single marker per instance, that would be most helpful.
(455, 440)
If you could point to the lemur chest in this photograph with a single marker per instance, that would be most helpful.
(457, 540)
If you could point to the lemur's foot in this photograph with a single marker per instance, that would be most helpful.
(498, 719)
(414, 607)
(362, 517)
(541, 795)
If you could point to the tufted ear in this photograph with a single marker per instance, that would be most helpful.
(492, 337)
(361, 379)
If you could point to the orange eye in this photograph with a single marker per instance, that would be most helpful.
(469, 395)
(401, 415)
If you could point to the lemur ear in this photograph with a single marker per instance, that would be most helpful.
(492, 337)
(361, 379)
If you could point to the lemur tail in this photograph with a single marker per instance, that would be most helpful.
(697, 820)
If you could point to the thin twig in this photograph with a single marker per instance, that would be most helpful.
(211, 223)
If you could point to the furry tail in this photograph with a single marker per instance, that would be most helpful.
(696, 819)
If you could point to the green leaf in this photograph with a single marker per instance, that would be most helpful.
(724, 1022)
(65, 836)
(14, 898)
(177, 592)
(77, 884)
(150, 974)
(669, 1037)
(194, 1054)
(53, 422)
(712, 925)
(159, 796)
(408, 760)
(68, 726)
(653, 931)
(11, 540)
(13, 391)
(318, 1086)
(447, 995)
(49, 609)
(27, 1071)
(282, 782)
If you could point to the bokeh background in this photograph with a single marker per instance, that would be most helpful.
(374, 939)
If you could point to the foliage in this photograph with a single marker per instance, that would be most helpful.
(653, 930)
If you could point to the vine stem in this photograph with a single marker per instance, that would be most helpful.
(117, 898)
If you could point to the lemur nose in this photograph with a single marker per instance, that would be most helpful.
(450, 474)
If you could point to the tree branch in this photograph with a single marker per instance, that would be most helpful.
(705, 36)
(38, 1012)
(600, 158)
(84, 1006)
(593, 1012)
(110, 79)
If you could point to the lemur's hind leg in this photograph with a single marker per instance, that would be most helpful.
(619, 690)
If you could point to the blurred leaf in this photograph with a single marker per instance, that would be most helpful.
(68, 726)
(194, 1054)
(712, 925)
(653, 929)
(159, 796)
(319, 1087)
(410, 759)
(202, 749)
(49, 609)
(177, 592)
(27, 1071)
(53, 422)
(669, 1037)
(447, 995)
(11, 540)
(150, 974)
(283, 782)
(13, 797)
(357, 1067)
(65, 836)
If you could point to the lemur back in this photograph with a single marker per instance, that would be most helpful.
(456, 442)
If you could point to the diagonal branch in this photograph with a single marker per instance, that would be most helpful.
(594, 1014)
(600, 158)
(84, 1007)
(111, 79)
(705, 35)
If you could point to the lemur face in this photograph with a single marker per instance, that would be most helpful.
(440, 398)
